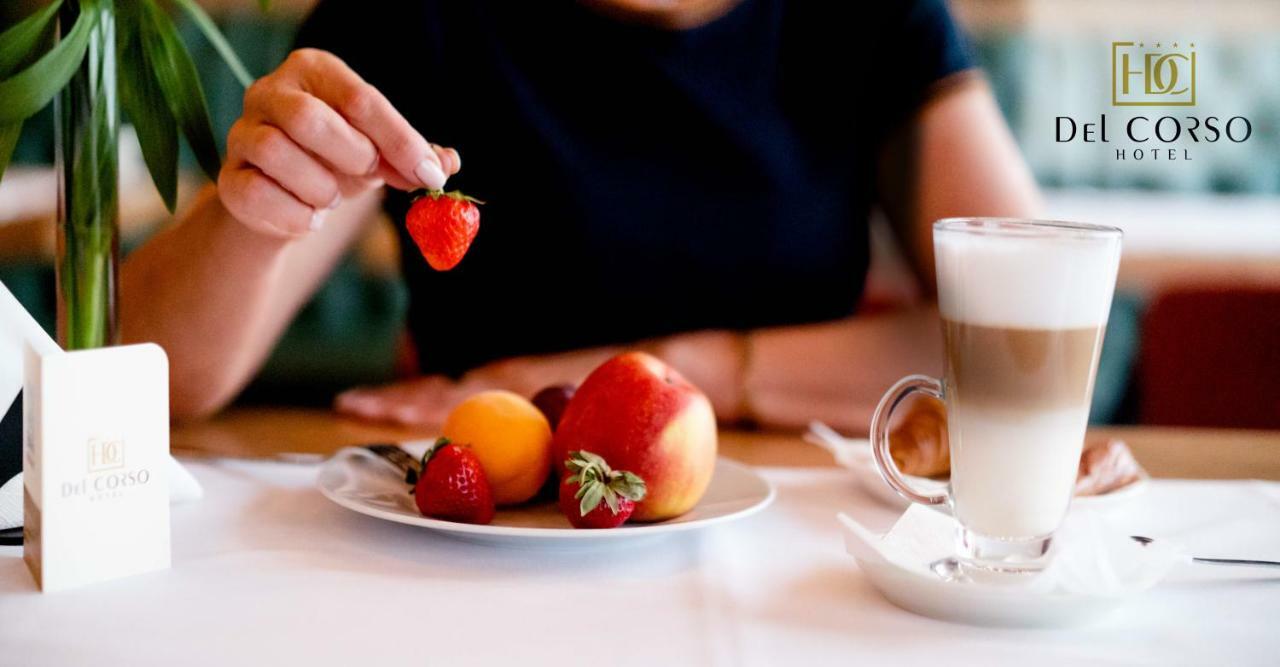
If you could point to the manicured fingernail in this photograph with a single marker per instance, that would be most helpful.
(429, 174)
(317, 220)
(337, 201)
(373, 168)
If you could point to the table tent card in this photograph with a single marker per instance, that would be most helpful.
(95, 453)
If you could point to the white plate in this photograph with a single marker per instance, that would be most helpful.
(360, 481)
(855, 455)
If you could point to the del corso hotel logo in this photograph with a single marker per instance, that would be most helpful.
(105, 474)
(1146, 75)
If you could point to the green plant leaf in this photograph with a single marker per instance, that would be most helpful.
(176, 74)
(19, 43)
(219, 42)
(30, 90)
(8, 141)
(143, 99)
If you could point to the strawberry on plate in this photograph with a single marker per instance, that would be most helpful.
(443, 224)
(593, 495)
(452, 485)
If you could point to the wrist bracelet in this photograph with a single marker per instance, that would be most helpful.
(745, 408)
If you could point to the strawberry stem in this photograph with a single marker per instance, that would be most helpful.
(436, 194)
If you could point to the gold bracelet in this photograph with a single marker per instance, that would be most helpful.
(746, 355)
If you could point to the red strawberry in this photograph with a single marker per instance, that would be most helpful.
(443, 224)
(452, 485)
(594, 495)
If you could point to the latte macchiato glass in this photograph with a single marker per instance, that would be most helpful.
(1024, 305)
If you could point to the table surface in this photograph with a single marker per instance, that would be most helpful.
(266, 571)
(1165, 452)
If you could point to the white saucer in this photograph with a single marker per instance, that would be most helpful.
(1094, 571)
(359, 481)
(855, 455)
(984, 605)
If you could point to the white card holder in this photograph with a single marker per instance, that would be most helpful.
(95, 453)
(95, 462)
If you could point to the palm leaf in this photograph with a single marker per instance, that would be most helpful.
(8, 141)
(19, 43)
(30, 90)
(143, 98)
(176, 75)
(211, 33)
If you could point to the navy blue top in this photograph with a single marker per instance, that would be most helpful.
(641, 181)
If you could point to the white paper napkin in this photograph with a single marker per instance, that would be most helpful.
(183, 488)
(1088, 556)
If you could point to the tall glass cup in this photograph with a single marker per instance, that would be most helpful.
(1024, 305)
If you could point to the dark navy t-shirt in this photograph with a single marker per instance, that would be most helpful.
(639, 181)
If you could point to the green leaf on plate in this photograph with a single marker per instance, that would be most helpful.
(30, 90)
(143, 98)
(176, 75)
(215, 37)
(19, 43)
(8, 141)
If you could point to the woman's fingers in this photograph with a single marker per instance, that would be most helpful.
(421, 401)
(316, 127)
(275, 154)
(262, 204)
(368, 111)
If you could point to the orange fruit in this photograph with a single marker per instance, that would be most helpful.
(511, 438)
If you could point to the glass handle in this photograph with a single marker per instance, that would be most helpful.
(880, 436)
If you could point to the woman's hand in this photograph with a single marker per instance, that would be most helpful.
(427, 400)
(708, 359)
(313, 132)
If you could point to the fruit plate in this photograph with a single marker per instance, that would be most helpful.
(360, 481)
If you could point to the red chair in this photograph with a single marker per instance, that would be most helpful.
(1211, 357)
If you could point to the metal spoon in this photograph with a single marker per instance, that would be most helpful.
(1144, 541)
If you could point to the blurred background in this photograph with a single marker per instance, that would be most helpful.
(1194, 336)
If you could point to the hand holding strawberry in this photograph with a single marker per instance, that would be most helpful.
(594, 495)
(452, 485)
(443, 224)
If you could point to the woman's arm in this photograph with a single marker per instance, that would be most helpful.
(216, 295)
(955, 158)
(304, 169)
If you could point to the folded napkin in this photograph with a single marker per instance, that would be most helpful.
(183, 487)
(1089, 557)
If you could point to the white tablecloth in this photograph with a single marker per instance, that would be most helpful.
(266, 571)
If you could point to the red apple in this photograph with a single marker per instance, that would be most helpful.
(643, 416)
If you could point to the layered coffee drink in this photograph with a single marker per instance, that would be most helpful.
(1024, 311)
(1024, 304)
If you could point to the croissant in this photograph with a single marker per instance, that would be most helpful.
(1106, 465)
(918, 444)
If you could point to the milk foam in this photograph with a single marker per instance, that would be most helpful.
(1026, 282)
